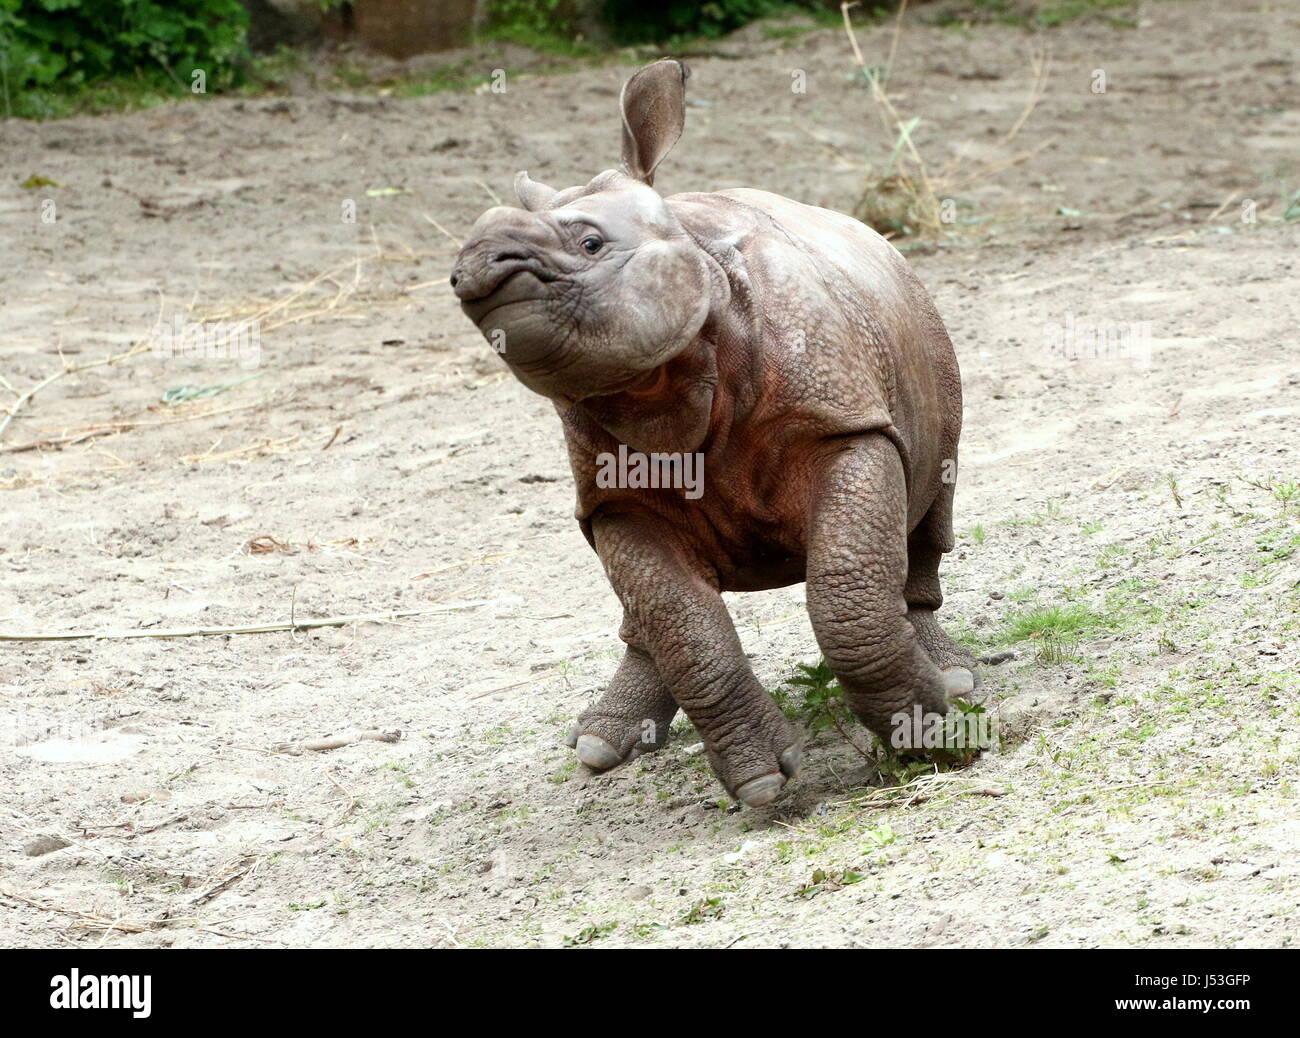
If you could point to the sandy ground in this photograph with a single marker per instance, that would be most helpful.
(381, 460)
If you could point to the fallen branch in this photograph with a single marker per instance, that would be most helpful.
(927, 787)
(98, 922)
(90, 919)
(249, 862)
(202, 632)
(90, 432)
(334, 742)
(513, 684)
(69, 369)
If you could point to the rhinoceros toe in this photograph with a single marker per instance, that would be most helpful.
(596, 753)
(957, 681)
(764, 789)
(760, 791)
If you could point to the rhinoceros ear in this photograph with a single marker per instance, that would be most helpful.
(654, 109)
(532, 195)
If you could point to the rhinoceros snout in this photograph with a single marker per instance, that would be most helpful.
(502, 242)
(482, 267)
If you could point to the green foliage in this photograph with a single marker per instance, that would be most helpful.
(824, 881)
(823, 703)
(544, 17)
(50, 48)
(633, 21)
(548, 25)
(589, 934)
(702, 911)
(822, 706)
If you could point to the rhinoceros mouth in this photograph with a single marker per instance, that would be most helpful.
(515, 287)
(644, 383)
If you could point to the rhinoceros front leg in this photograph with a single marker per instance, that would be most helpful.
(631, 718)
(857, 571)
(674, 612)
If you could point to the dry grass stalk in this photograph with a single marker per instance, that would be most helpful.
(904, 197)
(943, 785)
(265, 628)
(296, 307)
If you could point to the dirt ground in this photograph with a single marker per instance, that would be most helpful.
(380, 460)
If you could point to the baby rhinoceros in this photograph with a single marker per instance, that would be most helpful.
(790, 352)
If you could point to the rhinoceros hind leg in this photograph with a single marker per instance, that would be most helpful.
(856, 579)
(925, 548)
(957, 667)
(632, 718)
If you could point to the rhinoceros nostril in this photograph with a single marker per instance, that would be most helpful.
(502, 257)
(454, 278)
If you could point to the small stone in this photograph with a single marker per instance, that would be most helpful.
(39, 845)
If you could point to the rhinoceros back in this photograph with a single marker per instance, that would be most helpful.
(849, 339)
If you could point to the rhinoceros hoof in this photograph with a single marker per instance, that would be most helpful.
(961, 683)
(958, 682)
(764, 789)
(760, 791)
(596, 753)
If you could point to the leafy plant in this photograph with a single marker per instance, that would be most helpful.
(588, 934)
(823, 706)
(823, 703)
(824, 882)
(703, 909)
(49, 48)
(633, 21)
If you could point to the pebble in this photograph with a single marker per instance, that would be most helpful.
(44, 844)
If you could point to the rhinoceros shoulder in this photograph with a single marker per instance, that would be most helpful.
(746, 216)
(850, 341)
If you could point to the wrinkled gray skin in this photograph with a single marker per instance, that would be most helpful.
(794, 349)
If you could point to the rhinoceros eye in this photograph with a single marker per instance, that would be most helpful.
(591, 244)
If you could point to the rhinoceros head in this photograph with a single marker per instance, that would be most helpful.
(587, 291)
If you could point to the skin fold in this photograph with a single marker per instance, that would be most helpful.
(792, 349)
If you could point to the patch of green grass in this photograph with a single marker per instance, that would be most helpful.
(564, 772)
(823, 882)
(512, 815)
(1050, 512)
(402, 773)
(590, 933)
(1109, 555)
(1043, 14)
(1106, 677)
(793, 32)
(461, 77)
(1277, 545)
(126, 93)
(703, 910)
(1062, 622)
